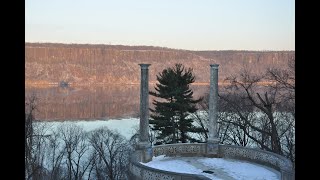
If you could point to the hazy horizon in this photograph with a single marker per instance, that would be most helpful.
(152, 46)
(190, 25)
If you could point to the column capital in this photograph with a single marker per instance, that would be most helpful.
(214, 66)
(144, 66)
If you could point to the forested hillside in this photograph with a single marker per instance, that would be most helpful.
(83, 64)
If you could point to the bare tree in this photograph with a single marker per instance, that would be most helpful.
(113, 153)
(257, 110)
(284, 82)
(76, 147)
(55, 154)
(246, 83)
(264, 108)
(68, 152)
(30, 106)
(200, 120)
(35, 137)
(228, 130)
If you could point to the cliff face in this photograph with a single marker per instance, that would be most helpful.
(94, 64)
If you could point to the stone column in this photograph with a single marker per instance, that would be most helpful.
(213, 139)
(144, 144)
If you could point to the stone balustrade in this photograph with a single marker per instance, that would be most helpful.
(185, 149)
(138, 171)
(259, 156)
(272, 160)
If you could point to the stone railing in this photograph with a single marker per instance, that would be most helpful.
(262, 157)
(140, 171)
(185, 149)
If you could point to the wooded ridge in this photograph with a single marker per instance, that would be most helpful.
(82, 64)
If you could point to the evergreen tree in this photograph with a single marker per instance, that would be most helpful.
(173, 104)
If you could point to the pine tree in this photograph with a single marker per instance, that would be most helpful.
(175, 102)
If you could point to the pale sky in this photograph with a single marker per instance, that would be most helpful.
(180, 24)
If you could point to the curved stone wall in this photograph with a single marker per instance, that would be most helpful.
(140, 171)
(259, 156)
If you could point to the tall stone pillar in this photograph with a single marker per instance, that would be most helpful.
(144, 145)
(213, 139)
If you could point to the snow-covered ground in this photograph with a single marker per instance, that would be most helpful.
(223, 169)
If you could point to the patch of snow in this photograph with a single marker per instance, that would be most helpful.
(222, 168)
(241, 170)
(169, 164)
